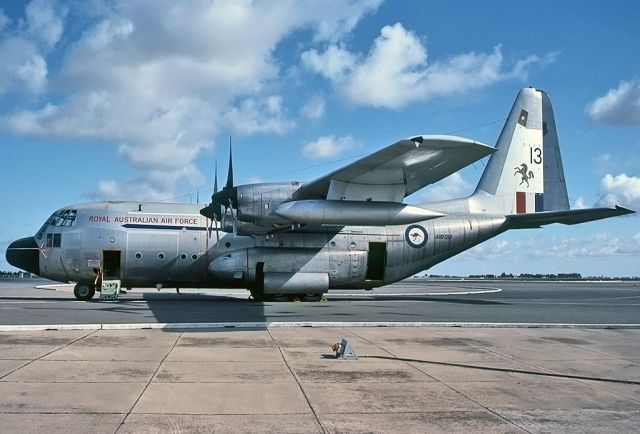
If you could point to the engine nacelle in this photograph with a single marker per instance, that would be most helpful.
(256, 202)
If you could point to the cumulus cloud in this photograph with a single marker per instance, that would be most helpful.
(620, 106)
(314, 107)
(332, 25)
(335, 63)
(604, 163)
(620, 190)
(580, 203)
(395, 72)
(598, 245)
(154, 185)
(259, 116)
(24, 46)
(452, 187)
(44, 21)
(492, 250)
(134, 78)
(328, 147)
(4, 20)
(23, 68)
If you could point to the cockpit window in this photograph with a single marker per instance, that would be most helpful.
(65, 218)
(62, 218)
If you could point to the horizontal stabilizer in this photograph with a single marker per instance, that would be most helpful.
(571, 217)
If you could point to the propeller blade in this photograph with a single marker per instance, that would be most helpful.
(229, 184)
(233, 221)
(215, 179)
(228, 195)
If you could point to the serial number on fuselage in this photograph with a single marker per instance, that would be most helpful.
(443, 237)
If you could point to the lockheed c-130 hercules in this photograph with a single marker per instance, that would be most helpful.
(349, 229)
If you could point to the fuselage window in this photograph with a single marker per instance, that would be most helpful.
(183, 256)
(194, 256)
(138, 255)
(54, 240)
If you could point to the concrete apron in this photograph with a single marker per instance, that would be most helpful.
(286, 379)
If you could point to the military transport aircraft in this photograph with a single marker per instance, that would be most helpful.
(348, 229)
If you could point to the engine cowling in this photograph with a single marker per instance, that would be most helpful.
(256, 202)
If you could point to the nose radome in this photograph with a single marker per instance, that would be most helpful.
(24, 254)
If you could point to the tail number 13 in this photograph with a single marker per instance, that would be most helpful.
(535, 155)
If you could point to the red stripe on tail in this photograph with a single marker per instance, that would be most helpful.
(521, 202)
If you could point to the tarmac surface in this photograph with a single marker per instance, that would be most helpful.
(410, 301)
(508, 375)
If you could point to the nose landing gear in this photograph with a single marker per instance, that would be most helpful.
(84, 292)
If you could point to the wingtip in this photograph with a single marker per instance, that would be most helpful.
(623, 210)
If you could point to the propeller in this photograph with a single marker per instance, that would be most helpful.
(213, 211)
(227, 197)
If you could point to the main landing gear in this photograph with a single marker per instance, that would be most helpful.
(84, 292)
(310, 297)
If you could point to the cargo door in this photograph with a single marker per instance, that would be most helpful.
(111, 264)
(376, 261)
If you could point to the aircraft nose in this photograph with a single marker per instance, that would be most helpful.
(24, 254)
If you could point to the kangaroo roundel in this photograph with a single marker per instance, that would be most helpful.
(416, 236)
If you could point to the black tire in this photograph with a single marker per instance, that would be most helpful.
(312, 297)
(84, 292)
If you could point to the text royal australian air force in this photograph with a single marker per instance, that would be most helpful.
(163, 220)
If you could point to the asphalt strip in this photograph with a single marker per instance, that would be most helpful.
(281, 324)
(364, 295)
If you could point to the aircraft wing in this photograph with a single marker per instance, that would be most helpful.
(570, 217)
(397, 171)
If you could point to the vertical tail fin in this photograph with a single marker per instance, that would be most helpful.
(525, 174)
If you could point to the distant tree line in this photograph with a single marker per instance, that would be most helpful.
(16, 275)
(532, 276)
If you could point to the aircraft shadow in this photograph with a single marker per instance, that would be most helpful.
(417, 298)
(495, 369)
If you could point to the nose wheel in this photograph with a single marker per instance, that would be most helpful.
(84, 292)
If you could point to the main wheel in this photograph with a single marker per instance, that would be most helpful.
(312, 297)
(84, 292)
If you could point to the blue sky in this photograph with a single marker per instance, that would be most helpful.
(135, 100)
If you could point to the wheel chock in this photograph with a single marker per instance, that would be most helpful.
(344, 351)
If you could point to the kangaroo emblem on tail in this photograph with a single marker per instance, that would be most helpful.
(522, 171)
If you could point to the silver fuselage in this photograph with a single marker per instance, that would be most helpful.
(172, 245)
